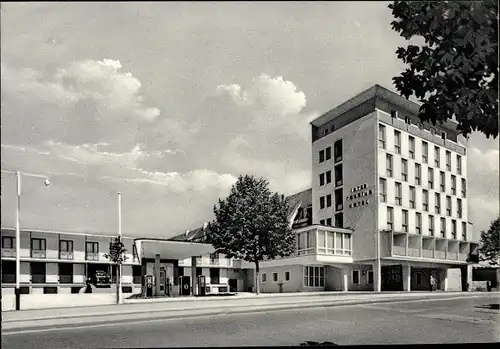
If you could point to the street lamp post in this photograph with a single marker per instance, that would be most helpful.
(18, 230)
(119, 267)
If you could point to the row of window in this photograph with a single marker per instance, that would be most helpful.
(425, 199)
(326, 178)
(430, 176)
(337, 221)
(65, 248)
(275, 277)
(431, 228)
(326, 154)
(328, 242)
(425, 150)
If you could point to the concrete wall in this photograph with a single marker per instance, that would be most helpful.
(46, 301)
(294, 285)
(363, 284)
(334, 279)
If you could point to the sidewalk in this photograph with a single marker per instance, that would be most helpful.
(170, 305)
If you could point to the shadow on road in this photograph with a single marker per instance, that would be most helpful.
(317, 344)
(489, 306)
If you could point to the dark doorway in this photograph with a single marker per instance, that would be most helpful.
(66, 273)
(233, 285)
(38, 272)
(392, 278)
(8, 272)
(214, 276)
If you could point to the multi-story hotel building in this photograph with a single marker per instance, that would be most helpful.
(388, 203)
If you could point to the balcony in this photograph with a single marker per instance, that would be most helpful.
(37, 279)
(40, 254)
(8, 252)
(413, 252)
(399, 250)
(92, 256)
(452, 256)
(440, 254)
(66, 279)
(428, 253)
(339, 183)
(66, 255)
(340, 207)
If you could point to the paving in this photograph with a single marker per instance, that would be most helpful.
(436, 321)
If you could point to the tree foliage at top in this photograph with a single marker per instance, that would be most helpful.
(252, 223)
(490, 243)
(455, 73)
(116, 251)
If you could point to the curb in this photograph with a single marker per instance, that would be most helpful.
(204, 312)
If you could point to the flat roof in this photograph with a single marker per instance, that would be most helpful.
(169, 249)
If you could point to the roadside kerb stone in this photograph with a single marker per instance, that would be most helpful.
(191, 313)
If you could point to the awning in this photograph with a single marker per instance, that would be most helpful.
(172, 249)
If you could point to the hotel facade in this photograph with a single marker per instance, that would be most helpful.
(387, 207)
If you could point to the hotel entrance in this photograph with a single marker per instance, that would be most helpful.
(392, 278)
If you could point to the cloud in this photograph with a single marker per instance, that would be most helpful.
(274, 95)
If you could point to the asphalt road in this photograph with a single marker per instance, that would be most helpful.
(402, 322)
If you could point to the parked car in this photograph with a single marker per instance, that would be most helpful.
(101, 279)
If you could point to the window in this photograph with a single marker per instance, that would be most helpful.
(464, 231)
(314, 276)
(418, 174)
(425, 200)
(430, 173)
(404, 169)
(397, 142)
(464, 187)
(355, 277)
(275, 277)
(329, 200)
(442, 182)
(286, 276)
(443, 135)
(92, 250)
(443, 227)
(418, 222)
(329, 222)
(453, 184)
(412, 197)
(337, 151)
(38, 244)
(425, 152)
(389, 165)
(8, 242)
(390, 218)
(459, 208)
(381, 136)
(263, 278)
(383, 190)
(394, 113)
(453, 229)
(322, 179)
(437, 160)
(405, 221)
(448, 160)
(448, 205)
(339, 220)
(437, 203)
(370, 276)
(328, 177)
(322, 202)
(339, 204)
(431, 225)
(65, 249)
(328, 153)
(321, 157)
(411, 144)
(408, 120)
(322, 222)
(459, 164)
(398, 194)
(338, 175)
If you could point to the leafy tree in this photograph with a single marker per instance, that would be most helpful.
(455, 73)
(490, 244)
(117, 255)
(252, 224)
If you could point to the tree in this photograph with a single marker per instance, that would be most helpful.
(252, 224)
(117, 255)
(489, 248)
(456, 72)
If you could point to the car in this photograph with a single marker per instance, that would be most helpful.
(101, 279)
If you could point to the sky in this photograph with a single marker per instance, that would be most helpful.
(169, 102)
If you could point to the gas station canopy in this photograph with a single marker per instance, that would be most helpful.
(172, 249)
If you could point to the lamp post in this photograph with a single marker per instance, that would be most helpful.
(119, 267)
(18, 229)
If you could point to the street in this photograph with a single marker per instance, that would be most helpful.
(401, 322)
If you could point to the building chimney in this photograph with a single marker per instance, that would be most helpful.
(186, 233)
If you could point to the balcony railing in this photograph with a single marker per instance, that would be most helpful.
(38, 254)
(339, 183)
(440, 254)
(427, 253)
(9, 252)
(66, 255)
(92, 256)
(462, 257)
(452, 255)
(399, 250)
(340, 207)
(9, 278)
(37, 279)
(66, 279)
(413, 252)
